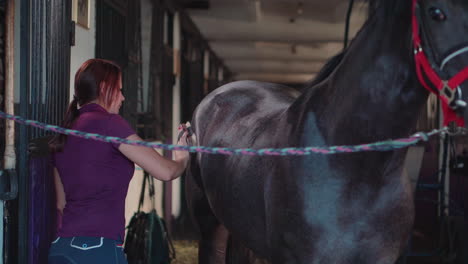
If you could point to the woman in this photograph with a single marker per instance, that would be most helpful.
(92, 177)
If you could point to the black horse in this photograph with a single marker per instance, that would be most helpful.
(345, 208)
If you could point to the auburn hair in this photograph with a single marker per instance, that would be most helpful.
(96, 79)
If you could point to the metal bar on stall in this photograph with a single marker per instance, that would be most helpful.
(23, 78)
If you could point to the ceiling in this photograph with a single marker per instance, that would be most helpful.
(284, 41)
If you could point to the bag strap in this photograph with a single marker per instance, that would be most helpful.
(172, 251)
(151, 190)
(150, 180)
(142, 193)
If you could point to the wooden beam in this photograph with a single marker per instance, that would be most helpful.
(196, 4)
(312, 42)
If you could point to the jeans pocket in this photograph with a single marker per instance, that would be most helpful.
(86, 243)
(56, 240)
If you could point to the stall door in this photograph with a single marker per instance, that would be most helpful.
(44, 71)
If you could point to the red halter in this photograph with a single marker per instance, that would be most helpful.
(447, 90)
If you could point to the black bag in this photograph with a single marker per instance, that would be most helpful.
(148, 241)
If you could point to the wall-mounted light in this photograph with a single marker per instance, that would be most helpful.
(298, 12)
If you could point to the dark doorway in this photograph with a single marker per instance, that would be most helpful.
(113, 32)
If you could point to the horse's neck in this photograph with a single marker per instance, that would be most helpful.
(372, 95)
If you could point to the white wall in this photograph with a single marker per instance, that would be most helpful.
(85, 44)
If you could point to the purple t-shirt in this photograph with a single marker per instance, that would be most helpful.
(95, 177)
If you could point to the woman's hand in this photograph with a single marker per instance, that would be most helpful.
(158, 166)
(182, 155)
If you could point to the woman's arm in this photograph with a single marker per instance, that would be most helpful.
(59, 196)
(151, 161)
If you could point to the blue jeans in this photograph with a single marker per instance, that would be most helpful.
(86, 250)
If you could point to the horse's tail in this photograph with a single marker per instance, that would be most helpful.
(194, 191)
(193, 168)
(191, 137)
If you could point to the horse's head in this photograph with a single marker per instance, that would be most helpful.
(440, 38)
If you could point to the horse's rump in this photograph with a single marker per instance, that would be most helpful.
(238, 115)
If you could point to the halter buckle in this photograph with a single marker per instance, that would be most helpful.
(451, 96)
(447, 93)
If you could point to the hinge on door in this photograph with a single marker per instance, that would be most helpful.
(8, 184)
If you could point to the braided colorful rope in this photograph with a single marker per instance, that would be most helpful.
(378, 146)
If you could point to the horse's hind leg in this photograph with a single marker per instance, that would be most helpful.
(237, 253)
(214, 236)
(213, 244)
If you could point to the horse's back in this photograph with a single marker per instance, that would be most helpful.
(240, 105)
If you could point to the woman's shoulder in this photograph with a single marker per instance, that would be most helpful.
(116, 118)
(118, 126)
